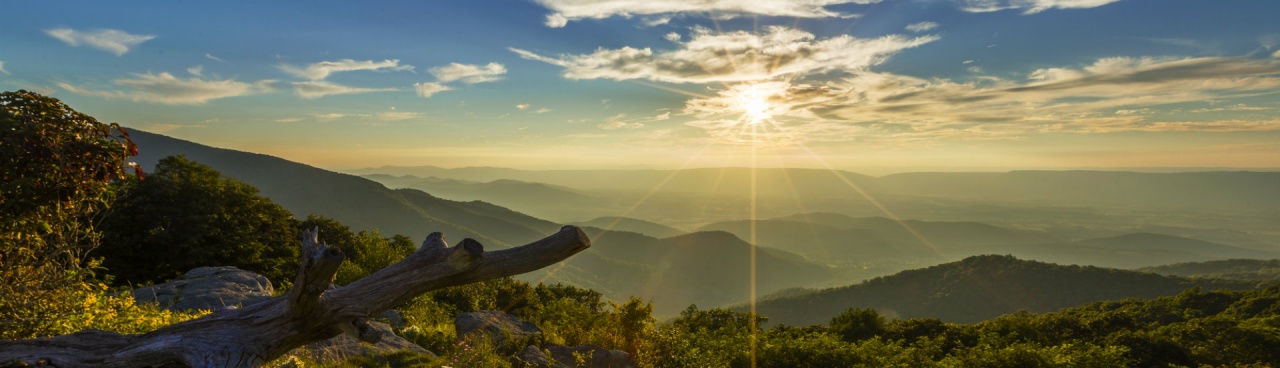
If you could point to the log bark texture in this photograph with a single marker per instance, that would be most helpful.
(256, 334)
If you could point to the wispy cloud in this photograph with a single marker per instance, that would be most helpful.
(921, 27)
(214, 58)
(522, 106)
(319, 88)
(1109, 95)
(110, 40)
(196, 70)
(426, 89)
(733, 57)
(164, 88)
(469, 74)
(1027, 6)
(384, 116)
(321, 70)
(662, 10)
(2, 69)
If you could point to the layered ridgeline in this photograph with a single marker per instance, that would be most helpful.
(1240, 269)
(357, 202)
(878, 243)
(706, 268)
(980, 288)
(1237, 190)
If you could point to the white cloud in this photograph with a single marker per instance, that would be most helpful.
(1028, 6)
(734, 57)
(612, 125)
(214, 58)
(1109, 95)
(396, 115)
(426, 89)
(291, 119)
(522, 106)
(110, 40)
(569, 10)
(321, 70)
(196, 70)
(469, 74)
(542, 110)
(164, 88)
(319, 88)
(921, 27)
(2, 70)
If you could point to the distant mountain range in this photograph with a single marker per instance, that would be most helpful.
(708, 268)
(1236, 190)
(980, 288)
(843, 240)
(633, 225)
(357, 202)
(1238, 269)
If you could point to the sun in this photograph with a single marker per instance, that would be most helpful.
(754, 102)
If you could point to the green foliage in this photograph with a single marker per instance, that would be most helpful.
(88, 306)
(188, 215)
(366, 252)
(858, 324)
(56, 169)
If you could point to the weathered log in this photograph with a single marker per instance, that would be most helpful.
(253, 335)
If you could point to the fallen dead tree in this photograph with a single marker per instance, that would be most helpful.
(255, 334)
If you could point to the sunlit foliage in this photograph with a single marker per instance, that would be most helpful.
(56, 170)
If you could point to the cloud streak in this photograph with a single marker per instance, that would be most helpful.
(164, 88)
(733, 57)
(321, 70)
(565, 11)
(426, 89)
(110, 40)
(318, 89)
(469, 74)
(1027, 6)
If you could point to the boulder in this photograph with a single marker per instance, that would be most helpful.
(504, 331)
(567, 357)
(342, 346)
(207, 288)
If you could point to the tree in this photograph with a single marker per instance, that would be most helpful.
(187, 215)
(56, 169)
(858, 324)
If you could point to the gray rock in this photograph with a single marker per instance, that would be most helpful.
(565, 357)
(594, 356)
(393, 318)
(343, 346)
(505, 331)
(532, 356)
(207, 288)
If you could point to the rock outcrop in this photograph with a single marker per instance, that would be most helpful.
(506, 332)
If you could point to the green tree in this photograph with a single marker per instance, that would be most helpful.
(858, 324)
(56, 169)
(366, 252)
(188, 215)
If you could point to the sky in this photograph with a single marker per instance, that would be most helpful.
(864, 85)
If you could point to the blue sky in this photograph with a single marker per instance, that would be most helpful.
(864, 85)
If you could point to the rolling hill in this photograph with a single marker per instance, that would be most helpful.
(1238, 269)
(979, 288)
(633, 225)
(357, 202)
(704, 268)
